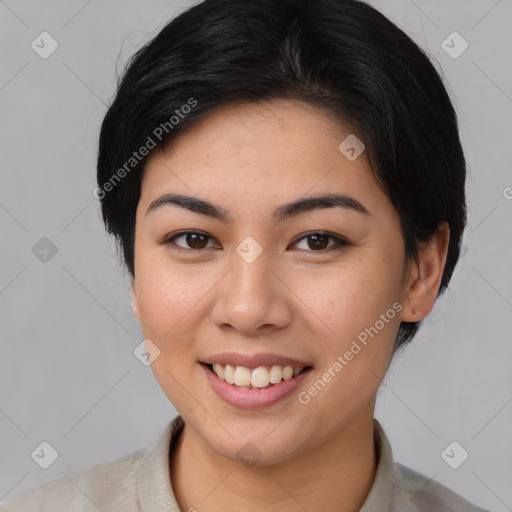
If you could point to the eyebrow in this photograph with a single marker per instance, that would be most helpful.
(280, 214)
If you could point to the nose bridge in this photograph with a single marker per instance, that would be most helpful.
(251, 274)
(251, 295)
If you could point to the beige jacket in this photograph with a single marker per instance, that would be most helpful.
(140, 482)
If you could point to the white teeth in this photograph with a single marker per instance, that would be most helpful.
(276, 374)
(287, 372)
(260, 377)
(229, 374)
(242, 376)
(219, 370)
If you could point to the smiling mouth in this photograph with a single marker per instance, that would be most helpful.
(260, 377)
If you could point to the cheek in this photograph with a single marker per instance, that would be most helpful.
(356, 303)
(171, 303)
(169, 291)
(351, 298)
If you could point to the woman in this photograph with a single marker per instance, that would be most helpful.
(268, 170)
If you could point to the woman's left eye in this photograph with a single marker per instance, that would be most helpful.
(317, 241)
(320, 240)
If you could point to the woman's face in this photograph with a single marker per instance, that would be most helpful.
(280, 286)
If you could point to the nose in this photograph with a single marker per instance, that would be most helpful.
(252, 298)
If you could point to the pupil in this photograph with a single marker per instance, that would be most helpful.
(194, 242)
(316, 243)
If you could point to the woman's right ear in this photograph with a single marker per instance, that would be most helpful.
(133, 293)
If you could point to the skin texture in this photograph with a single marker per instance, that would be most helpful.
(297, 299)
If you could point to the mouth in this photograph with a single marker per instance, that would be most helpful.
(261, 377)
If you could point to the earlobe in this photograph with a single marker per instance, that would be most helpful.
(425, 279)
(135, 309)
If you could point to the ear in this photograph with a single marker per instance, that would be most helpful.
(133, 293)
(422, 287)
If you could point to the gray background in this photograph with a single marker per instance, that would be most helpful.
(68, 375)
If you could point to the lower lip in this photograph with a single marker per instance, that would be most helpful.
(255, 397)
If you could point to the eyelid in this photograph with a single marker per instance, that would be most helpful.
(168, 240)
(340, 241)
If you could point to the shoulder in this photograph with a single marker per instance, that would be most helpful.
(108, 486)
(415, 492)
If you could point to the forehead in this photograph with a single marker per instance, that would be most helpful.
(249, 128)
(254, 152)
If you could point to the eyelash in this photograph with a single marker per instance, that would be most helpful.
(340, 242)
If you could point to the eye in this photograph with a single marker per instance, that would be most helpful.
(319, 240)
(196, 240)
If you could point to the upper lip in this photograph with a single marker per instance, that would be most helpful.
(254, 360)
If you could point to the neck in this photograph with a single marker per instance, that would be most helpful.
(337, 475)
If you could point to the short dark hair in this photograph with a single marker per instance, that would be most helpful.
(342, 56)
